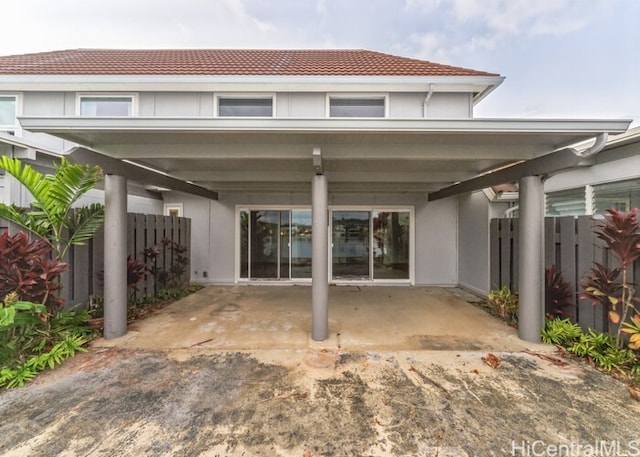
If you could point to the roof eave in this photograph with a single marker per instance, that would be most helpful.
(193, 83)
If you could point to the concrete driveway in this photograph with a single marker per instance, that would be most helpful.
(217, 374)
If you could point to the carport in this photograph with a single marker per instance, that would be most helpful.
(432, 158)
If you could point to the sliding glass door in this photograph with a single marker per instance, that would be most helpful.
(350, 245)
(275, 244)
(366, 244)
(370, 245)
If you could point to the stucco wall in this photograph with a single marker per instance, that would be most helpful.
(475, 213)
(213, 237)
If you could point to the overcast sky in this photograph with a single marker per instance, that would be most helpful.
(562, 58)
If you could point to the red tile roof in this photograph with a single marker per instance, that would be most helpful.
(225, 62)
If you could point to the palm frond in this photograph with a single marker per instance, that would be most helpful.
(32, 180)
(84, 222)
(71, 181)
(32, 221)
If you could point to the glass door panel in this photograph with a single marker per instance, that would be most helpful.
(350, 240)
(264, 234)
(284, 245)
(391, 244)
(301, 244)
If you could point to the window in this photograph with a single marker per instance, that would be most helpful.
(173, 209)
(9, 113)
(106, 105)
(621, 195)
(245, 107)
(357, 106)
(571, 202)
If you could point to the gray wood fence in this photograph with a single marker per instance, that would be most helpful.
(86, 263)
(570, 245)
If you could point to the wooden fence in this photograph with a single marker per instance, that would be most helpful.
(86, 263)
(570, 245)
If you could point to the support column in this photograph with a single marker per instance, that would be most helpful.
(115, 256)
(320, 259)
(531, 259)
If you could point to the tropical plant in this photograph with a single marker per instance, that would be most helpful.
(32, 340)
(620, 231)
(504, 302)
(562, 332)
(26, 270)
(632, 328)
(559, 298)
(51, 215)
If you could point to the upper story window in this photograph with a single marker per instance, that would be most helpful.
(232, 106)
(357, 106)
(9, 114)
(106, 105)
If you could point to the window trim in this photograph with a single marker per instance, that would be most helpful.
(132, 95)
(370, 208)
(15, 128)
(354, 96)
(168, 207)
(245, 96)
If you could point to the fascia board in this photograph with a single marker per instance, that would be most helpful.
(477, 84)
(595, 126)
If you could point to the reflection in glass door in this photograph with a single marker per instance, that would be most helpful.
(275, 244)
(350, 239)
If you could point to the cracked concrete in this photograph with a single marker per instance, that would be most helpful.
(156, 392)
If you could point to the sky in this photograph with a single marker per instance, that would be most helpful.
(561, 58)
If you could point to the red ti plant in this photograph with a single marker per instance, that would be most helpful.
(559, 298)
(27, 271)
(620, 231)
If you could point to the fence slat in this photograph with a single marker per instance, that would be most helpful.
(494, 254)
(586, 254)
(505, 253)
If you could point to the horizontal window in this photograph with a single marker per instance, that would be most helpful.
(245, 107)
(106, 106)
(621, 195)
(569, 202)
(356, 107)
(8, 112)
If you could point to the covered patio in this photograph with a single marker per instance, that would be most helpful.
(247, 318)
(328, 161)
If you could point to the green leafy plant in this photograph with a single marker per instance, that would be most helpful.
(559, 298)
(504, 303)
(603, 350)
(26, 270)
(620, 231)
(52, 216)
(562, 332)
(32, 340)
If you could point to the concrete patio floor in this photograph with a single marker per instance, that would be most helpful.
(231, 371)
(360, 318)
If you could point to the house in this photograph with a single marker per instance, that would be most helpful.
(300, 166)
(610, 180)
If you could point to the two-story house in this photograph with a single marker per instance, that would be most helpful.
(308, 166)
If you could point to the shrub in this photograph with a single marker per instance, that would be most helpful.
(26, 270)
(620, 231)
(504, 303)
(31, 340)
(562, 332)
(559, 298)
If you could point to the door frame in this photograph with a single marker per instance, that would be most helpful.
(370, 208)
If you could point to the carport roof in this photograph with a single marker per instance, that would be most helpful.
(274, 154)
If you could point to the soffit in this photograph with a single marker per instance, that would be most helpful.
(275, 155)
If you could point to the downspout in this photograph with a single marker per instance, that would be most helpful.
(601, 140)
(426, 100)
